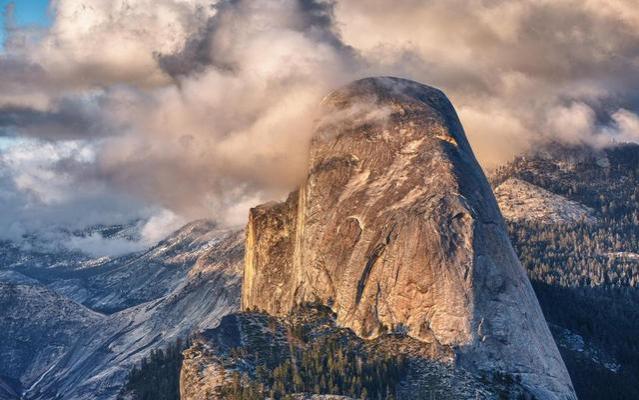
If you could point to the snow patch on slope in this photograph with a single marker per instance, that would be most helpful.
(523, 201)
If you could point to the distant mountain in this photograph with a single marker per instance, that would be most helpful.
(77, 326)
(38, 327)
(585, 272)
(123, 282)
(604, 180)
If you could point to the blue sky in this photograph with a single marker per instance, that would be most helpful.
(27, 12)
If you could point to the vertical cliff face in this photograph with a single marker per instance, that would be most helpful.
(396, 226)
(270, 247)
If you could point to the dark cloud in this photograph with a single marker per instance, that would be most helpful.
(206, 48)
(55, 125)
(69, 119)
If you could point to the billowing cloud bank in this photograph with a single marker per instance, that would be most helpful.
(137, 108)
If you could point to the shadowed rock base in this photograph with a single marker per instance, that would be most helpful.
(256, 356)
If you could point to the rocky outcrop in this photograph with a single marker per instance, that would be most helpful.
(270, 247)
(396, 226)
(245, 343)
(523, 201)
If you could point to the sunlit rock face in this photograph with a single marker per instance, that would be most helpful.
(397, 227)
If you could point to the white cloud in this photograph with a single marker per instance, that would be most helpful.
(47, 185)
(160, 226)
(115, 41)
(151, 231)
(31, 165)
(98, 246)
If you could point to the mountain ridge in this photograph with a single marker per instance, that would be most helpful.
(587, 268)
(200, 285)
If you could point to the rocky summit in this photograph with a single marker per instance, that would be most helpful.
(397, 228)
